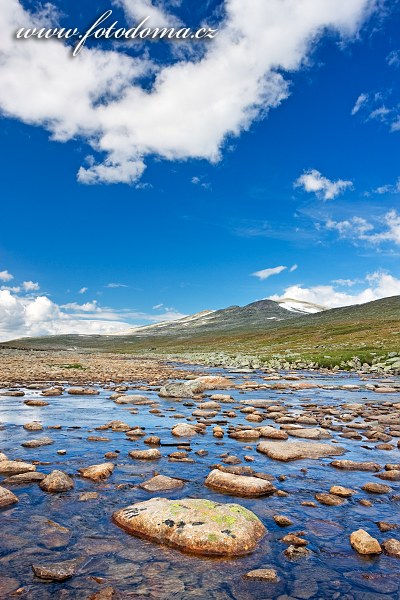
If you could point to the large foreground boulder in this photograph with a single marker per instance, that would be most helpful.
(238, 485)
(296, 450)
(195, 526)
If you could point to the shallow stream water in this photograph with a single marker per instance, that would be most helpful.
(141, 569)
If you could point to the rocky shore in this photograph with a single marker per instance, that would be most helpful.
(382, 363)
(28, 367)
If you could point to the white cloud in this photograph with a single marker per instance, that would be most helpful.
(116, 285)
(86, 307)
(388, 188)
(393, 58)
(312, 181)
(193, 105)
(346, 282)
(381, 285)
(387, 229)
(374, 107)
(83, 290)
(28, 316)
(30, 286)
(139, 9)
(293, 268)
(265, 273)
(6, 276)
(361, 100)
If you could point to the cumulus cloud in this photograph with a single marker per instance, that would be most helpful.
(83, 290)
(31, 316)
(139, 9)
(193, 105)
(313, 182)
(293, 268)
(265, 273)
(6, 276)
(386, 229)
(379, 285)
(30, 286)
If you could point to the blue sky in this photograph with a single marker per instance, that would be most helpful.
(185, 185)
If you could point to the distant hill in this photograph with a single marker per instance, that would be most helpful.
(255, 315)
(265, 327)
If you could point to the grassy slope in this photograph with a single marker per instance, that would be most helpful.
(338, 334)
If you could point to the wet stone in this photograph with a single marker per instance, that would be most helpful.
(14, 467)
(161, 483)
(7, 498)
(23, 478)
(57, 481)
(59, 571)
(37, 443)
(269, 575)
(376, 488)
(194, 525)
(238, 485)
(286, 451)
(282, 521)
(97, 472)
(152, 454)
(364, 543)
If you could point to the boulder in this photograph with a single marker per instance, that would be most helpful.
(273, 433)
(364, 543)
(188, 389)
(56, 571)
(35, 403)
(97, 472)
(329, 499)
(263, 575)
(44, 441)
(161, 483)
(57, 481)
(376, 488)
(338, 490)
(245, 434)
(7, 498)
(22, 478)
(238, 485)
(392, 475)
(352, 465)
(151, 454)
(34, 426)
(184, 430)
(194, 525)
(83, 391)
(14, 467)
(310, 433)
(392, 547)
(286, 451)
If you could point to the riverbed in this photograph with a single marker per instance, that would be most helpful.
(46, 528)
